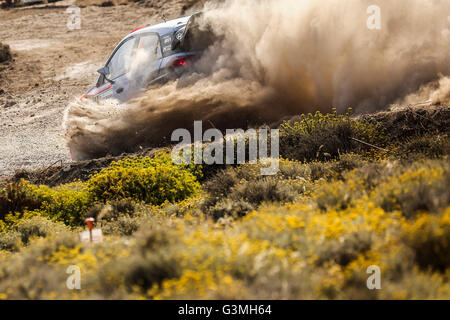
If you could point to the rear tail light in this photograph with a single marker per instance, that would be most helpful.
(182, 61)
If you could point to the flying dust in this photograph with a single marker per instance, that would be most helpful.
(278, 58)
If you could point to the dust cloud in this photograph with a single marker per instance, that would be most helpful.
(278, 58)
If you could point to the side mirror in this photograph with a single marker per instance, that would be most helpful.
(103, 73)
(100, 80)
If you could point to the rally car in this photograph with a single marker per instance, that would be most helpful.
(149, 55)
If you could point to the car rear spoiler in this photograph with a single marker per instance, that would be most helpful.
(197, 36)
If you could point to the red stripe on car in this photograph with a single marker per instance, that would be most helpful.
(139, 28)
(94, 94)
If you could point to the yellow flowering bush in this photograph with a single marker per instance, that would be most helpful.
(17, 197)
(204, 285)
(66, 203)
(153, 181)
(429, 236)
(10, 241)
(417, 189)
(38, 226)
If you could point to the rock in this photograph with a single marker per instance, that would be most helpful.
(5, 53)
(107, 4)
(10, 103)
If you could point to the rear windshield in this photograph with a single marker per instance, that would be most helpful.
(196, 38)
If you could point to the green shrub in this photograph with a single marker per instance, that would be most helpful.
(338, 194)
(416, 285)
(221, 184)
(266, 189)
(324, 137)
(336, 168)
(116, 209)
(338, 185)
(372, 174)
(66, 203)
(245, 185)
(10, 241)
(118, 217)
(427, 146)
(122, 226)
(429, 237)
(230, 208)
(416, 190)
(154, 260)
(190, 206)
(345, 249)
(293, 170)
(154, 236)
(38, 227)
(153, 181)
(28, 274)
(17, 197)
(153, 269)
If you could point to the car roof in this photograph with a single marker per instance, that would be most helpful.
(162, 28)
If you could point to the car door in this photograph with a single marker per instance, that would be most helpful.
(147, 60)
(119, 68)
(134, 63)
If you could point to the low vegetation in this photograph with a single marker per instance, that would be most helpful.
(335, 207)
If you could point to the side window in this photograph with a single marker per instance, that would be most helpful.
(148, 49)
(120, 63)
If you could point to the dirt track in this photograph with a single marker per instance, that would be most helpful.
(52, 66)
